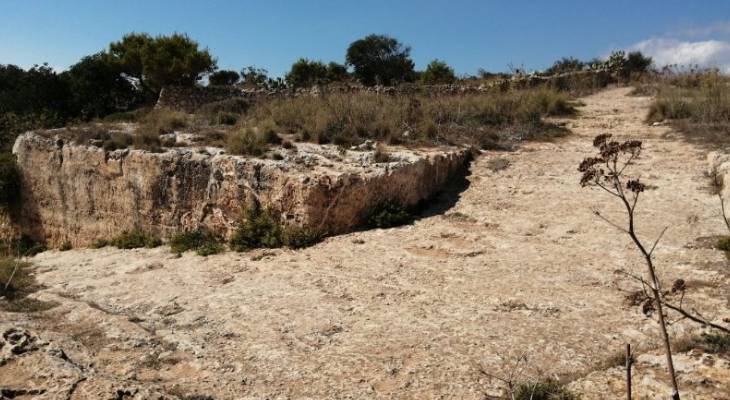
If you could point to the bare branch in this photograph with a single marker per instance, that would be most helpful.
(657, 240)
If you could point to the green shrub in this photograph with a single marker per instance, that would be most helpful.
(200, 240)
(9, 180)
(259, 228)
(135, 239)
(306, 73)
(438, 72)
(549, 389)
(723, 243)
(715, 342)
(15, 277)
(66, 246)
(388, 214)
(263, 229)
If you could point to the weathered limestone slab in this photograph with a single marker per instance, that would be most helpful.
(80, 193)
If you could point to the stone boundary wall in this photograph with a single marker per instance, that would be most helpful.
(190, 99)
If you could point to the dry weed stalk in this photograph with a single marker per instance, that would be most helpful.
(606, 171)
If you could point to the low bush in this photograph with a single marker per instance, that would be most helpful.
(263, 229)
(259, 229)
(134, 239)
(15, 277)
(714, 342)
(66, 246)
(549, 389)
(300, 237)
(202, 241)
(388, 214)
(158, 122)
(723, 244)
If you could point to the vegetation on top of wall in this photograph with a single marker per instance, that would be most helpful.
(380, 60)
(486, 120)
(437, 73)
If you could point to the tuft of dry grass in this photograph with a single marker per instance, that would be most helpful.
(251, 141)
(158, 122)
(484, 119)
(14, 276)
(698, 104)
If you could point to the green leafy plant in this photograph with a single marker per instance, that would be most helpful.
(438, 72)
(202, 241)
(388, 214)
(259, 229)
(135, 239)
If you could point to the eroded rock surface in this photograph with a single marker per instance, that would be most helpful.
(76, 194)
(437, 309)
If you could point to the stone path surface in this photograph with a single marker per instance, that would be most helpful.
(520, 266)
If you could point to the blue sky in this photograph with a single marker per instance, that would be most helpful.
(468, 34)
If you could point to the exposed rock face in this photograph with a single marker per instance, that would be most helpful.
(81, 193)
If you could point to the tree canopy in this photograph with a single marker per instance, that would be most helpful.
(438, 72)
(162, 60)
(380, 59)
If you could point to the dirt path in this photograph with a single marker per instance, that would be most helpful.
(519, 266)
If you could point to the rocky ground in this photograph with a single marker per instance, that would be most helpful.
(443, 308)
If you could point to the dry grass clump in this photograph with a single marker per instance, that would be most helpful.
(158, 122)
(15, 277)
(251, 141)
(134, 239)
(697, 104)
(349, 118)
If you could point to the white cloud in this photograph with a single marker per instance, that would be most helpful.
(707, 53)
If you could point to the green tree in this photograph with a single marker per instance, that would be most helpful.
(224, 78)
(637, 62)
(337, 72)
(306, 73)
(255, 77)
(438, 72)
(97, 87)
(162, 60)
(380, 59)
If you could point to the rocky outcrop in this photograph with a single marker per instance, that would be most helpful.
(80, 193)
